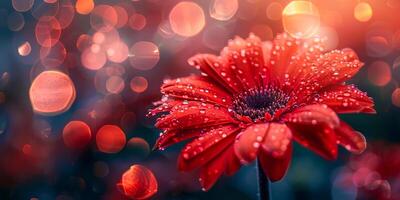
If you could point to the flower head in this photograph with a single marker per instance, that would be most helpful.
(257, 97)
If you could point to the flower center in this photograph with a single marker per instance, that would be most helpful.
(255, 103)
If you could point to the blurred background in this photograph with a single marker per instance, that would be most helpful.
(77, 78)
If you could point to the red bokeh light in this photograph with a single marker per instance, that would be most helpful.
(137, 21)
(187, 19)
(379, 73)
(84, 7)
(103, 16)
(47, 31)
(110, 139)
(76, 134)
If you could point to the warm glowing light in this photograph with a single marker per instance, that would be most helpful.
(379, 73)
(93, 58)
(22, 5)
(24, 49)
(363, 12)
(138, 183)
(115, 84)
(103, 17)
(54, 56)
(301, 19)
(378, 45)
(47, 31)
(76, 134)
(274, 11)
(137, 21)
(51, 93)
(144, 55)
(139, 84)
(396, 97)
(187, 19)
(110, 139)
(223, 9)
(84, 7)
(117, 52)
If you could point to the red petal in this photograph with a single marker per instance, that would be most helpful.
(210, 173)
(193, 114)
(350, 139)
(291, 57)
(216, 68)
(345, 99)
(196, 88)
(163, 106)
(332, 68)
(312, 115)
(171, 137)
(233, 163)
(245, 59)
(275, 167)
(318, 138)
(249, 141)
(276, 140)
(206, 147)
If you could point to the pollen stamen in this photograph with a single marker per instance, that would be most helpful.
(255, 103)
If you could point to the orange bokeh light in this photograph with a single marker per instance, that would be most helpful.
(187, 19)
(84, 7)
(363, 12)
(76, 134)
(93, 58)
(52, 93)
(301, 19)
(110, 139)
(117, 52)
(138, 183)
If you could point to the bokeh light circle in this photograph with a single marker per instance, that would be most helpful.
(51, 93)
(122, 16)
(137, 21)
(396, 97)
(110, 139)
(144, 55)
(47, 31)
(223, 10)
(139, 84)
(103, 17)
(22, 5)
(138, 183)
(84, 7)
(53, 56)
(187, 19)
(363, 12)
(94, 57)
(117, 52)
(379, 73)
(115, 84)
(15, 21)
(76, 134)
(139, 146)
(274, 11)
(301, 19)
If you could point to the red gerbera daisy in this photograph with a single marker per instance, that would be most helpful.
(254, 99)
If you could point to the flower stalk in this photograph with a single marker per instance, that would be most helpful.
(264, 186)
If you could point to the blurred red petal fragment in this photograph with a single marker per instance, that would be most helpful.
(76, 134)
(138, 182)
